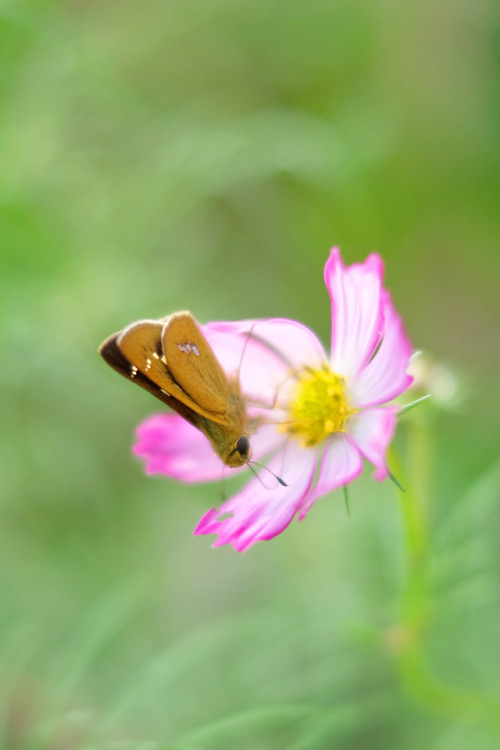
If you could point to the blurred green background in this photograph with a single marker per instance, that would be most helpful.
(205, 155)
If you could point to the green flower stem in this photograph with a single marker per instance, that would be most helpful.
(415, 525)
(406, 640)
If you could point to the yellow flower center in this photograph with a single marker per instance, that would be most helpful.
(319, 406)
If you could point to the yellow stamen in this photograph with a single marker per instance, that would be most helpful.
(319, 406)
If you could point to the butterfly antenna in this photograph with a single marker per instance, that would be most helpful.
(279, 479)
(247, 339)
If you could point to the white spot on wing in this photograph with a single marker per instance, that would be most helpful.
(188, 348)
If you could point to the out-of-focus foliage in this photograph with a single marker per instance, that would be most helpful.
(205, 155)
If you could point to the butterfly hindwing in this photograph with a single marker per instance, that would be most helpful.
(111, 353)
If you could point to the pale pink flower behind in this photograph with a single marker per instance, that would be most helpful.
(326, 410)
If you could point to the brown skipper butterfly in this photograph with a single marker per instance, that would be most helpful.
(172, 359)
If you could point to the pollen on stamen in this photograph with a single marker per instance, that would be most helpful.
(319, 407)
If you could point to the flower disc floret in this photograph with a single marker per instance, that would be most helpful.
(319, 406)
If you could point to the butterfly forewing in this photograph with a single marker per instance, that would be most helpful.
(194, 366)
(141, 344)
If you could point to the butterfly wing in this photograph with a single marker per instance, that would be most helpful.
(195, 367)
(112, 354)
(140, 344)
(137, 353)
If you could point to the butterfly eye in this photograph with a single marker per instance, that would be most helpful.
(243, 445)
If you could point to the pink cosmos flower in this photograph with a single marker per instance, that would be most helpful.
(319, 416)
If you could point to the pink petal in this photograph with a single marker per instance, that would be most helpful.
(263, 353)
(356, 310)
(258, 513)
(260, 369)
(173, 447)
(385, 376)
(341, 463)
(228, 339)
(371, 430)
(265, 440)
(294, 341)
